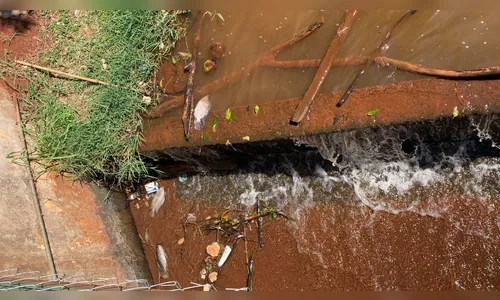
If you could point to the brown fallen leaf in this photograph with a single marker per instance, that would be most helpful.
(213, 249)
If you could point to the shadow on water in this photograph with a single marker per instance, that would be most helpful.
(438, 144)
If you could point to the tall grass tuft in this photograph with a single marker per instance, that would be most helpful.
(93, 131)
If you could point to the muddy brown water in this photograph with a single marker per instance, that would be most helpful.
(438, 39)
(404, 207)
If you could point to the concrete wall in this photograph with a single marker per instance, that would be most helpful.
(87, 235)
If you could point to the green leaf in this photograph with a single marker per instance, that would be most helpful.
(173, 60)
(204, 139)
(372, 111)
(256, 109)
(185, 138)
(228, 114)
(233, 119)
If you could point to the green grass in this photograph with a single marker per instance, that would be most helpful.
(93, 131)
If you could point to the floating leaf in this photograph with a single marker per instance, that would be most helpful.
(372, 111)
(174, 61)
(185, 54)
(161, 83)
(256, 109)
(246, 138)
(455, 112)
(204, 139)
(233, 119)
(228, 114)
(180, 241)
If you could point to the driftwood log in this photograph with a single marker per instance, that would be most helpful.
(324, 67)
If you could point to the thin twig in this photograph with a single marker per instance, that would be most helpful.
(61, 73)
(372, 58)
(321, 73)
(187, 113)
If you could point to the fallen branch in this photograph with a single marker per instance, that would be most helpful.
(214, 86)
(61, 73)
(372, 58)
(324, 67)
(187, 113)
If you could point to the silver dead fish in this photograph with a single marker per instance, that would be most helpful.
(161, 261)
(201, 111)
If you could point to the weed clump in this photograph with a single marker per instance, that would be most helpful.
(93, 131)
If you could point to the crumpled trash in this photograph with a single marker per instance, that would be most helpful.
(151, 187)
(161, 260)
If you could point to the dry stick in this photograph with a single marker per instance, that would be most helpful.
(187, 113)
(259, 227)
(61, 73)
(250, 273)
(321, 73)
(372, 58)
(216, 85)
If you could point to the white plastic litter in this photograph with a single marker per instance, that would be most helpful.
(225, 255)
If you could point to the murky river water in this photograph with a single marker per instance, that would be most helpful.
(438, 39)
(377, 203)
(410, 207)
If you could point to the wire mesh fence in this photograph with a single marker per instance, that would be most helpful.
(13, 280)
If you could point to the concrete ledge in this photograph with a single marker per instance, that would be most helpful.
(396, 103)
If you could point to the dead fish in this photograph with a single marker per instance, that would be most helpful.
(201, 111)
(161, 260)
(158, 200)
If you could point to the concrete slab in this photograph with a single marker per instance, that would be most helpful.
(87, 235)
(400, 102)
(21, 244)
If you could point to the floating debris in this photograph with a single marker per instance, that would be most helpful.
(214, 124)
(158, 200)
(217, 50)
(174, 61)
(201, 111)
(225, 255)
(213, 276)
(455, 112)
(185, 55)
(372, 111)
(206, 287)
(146, 235)
(203, 274)
(246, 138)
(213, 249)
(209, 65)
(133, 196)
(146, 100)
(180, 241)
(151, 187)
(256, 109)
(191, 218)
(182, 177)
(227, 115)
(161, 260)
